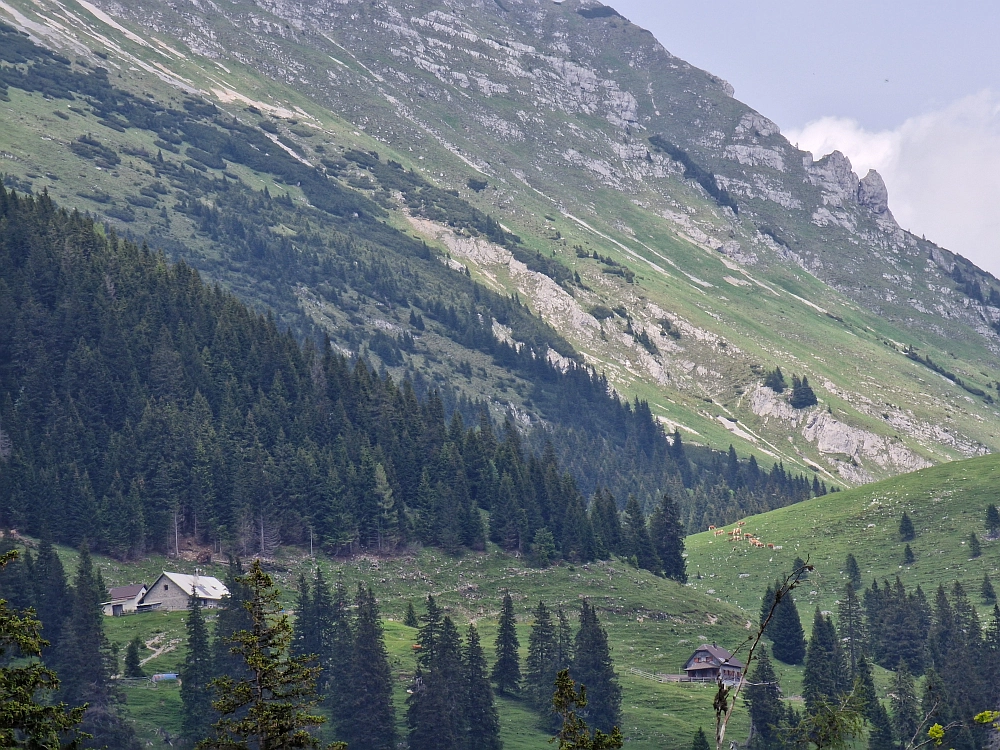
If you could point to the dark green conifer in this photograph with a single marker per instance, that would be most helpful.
(975, 548)
(700, 741)
(196, 674)
(908, 557)
(370, 720)
(852, 571)
(541, 666)
(905, 706)
(775, 380)
(506, 673)
(564, 640)
(987, 591)
(825, 675)
(787, 636)
(593, 668)
(410, 618)
(435, 714)
(763, 694)
(268, 707)
(133, 662)
(667, 534)
(638, 545)
(571, 706)
(852, 626)
(992, 520)
(906, 531)
(606, 522)
(482, 722)
(802, 393)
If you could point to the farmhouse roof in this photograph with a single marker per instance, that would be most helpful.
(127, 592)
(718, 654)
(204, 587)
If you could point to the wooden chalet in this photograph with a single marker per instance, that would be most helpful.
(709, 662)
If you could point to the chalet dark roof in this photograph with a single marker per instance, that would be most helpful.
(127, 592)
(719, 655)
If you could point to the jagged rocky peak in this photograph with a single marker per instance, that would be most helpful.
(872, 193)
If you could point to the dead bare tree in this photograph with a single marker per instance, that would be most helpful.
(726, 695)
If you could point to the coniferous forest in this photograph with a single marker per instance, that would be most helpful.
(139, 405)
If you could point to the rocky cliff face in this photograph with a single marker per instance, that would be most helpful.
(604, 151)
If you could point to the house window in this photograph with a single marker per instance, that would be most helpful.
(166, 587)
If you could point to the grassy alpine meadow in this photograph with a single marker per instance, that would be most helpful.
(653, 626)
(947, 504)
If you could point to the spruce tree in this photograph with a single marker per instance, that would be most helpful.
(410, 618)
(975, 548)
(852, 571)
(335, 641)
(905, 706)
(638, 545)
(370, 716)
(435, 712)
(825, 674)
(86, 663)
(506, 673)
(231, 618)
(787, 636)
(802, 394)
(987, 591)
(27, 718)
(700, 741)
(479, 707)
(133, 662)
(852, 626)
(908, 557)
(196, 674)
(268, 707)
(763, 694)
(906, 531)
(667, 535)
(564, 640)
(593, 668)
(574, 733)
(541, 666)
(775, 380)
(992, 520)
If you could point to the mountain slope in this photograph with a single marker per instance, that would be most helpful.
(946, 503)
(726, 251)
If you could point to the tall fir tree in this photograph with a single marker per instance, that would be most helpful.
(479, 708)
(852, 626)
(435, 704)
(852, 571)
(196, 675)
(541, 665)
(506, 673)
(763, 694)
(907, 532)
(667, 534)
(992, 520)
(133, 661)
(638, 545)
(593, 668)
(564, 639)
(232, 617)
(85, 663)
(905, 706)
(986, 591)
(787, 636)
(825, 674)
(371, 719)
(269, 707)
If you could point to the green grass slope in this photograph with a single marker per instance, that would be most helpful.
(653, 626)
(947, 503)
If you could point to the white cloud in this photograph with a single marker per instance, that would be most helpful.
(942, 170)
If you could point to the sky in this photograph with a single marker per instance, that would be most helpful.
(911, 89)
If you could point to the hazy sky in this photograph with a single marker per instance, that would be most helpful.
(909, 88)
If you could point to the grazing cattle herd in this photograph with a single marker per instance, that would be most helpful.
(738, 535)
